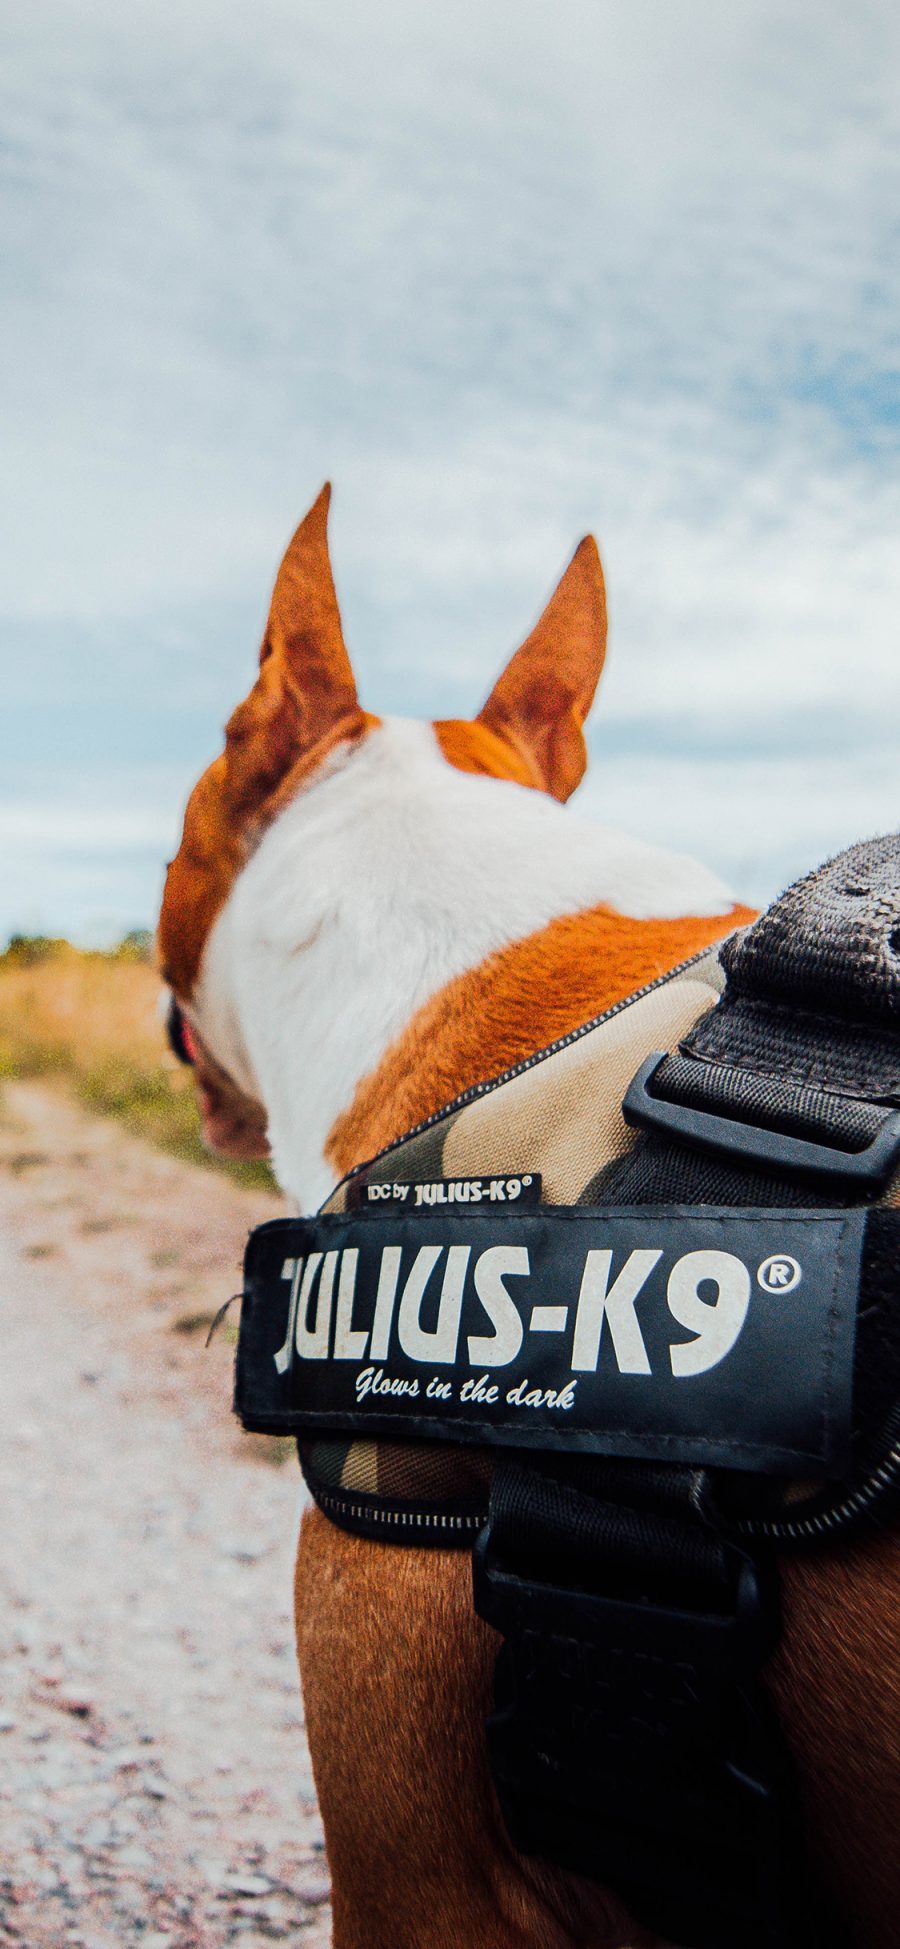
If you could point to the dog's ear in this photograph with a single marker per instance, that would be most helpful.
(305, 692)
(304, 700)
(304, 630)
(543, 697)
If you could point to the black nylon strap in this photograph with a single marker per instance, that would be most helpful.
(628, 1714)
(630, 1739)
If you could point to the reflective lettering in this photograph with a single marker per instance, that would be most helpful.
(388, 1275)
(374, 1380)
(599, 1301)
(479, 1390)
(312, 1341)
(291, 1270)
(717, 1326)
(349, 1343)
(438, 1345)
(499, 1262)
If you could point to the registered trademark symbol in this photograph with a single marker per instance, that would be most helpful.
(779, 1274)
(527, 1178)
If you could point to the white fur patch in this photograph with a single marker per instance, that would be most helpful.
(389, 875)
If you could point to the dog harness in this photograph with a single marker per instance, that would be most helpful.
(625, 1320)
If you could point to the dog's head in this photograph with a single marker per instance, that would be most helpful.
(303, 715)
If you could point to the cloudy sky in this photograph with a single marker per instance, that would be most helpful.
(504, 272)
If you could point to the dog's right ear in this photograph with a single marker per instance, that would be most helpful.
(305, 693)
(540, 703)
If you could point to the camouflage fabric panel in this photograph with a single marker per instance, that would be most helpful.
(422, 1492)
(560, 1114)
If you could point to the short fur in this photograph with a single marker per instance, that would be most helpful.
(364, 918)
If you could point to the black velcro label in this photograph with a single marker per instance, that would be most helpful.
(705, 1336)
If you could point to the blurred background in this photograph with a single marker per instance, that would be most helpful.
(504, 273)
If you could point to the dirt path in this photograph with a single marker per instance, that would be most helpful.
(155, 1786)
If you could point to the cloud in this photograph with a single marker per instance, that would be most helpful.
(505, 274)
(761, 821)
(69, 828)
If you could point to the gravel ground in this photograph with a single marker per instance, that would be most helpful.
(155, 1786)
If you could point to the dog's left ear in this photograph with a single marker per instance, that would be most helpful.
(543, 697)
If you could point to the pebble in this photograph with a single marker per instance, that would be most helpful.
(134, 1857)
(315, 1892)
(99, 1833)
(122, 1758)
(249, 1884)
(77, 1703)
(213, 1872)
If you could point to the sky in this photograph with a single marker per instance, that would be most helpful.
(504, 274)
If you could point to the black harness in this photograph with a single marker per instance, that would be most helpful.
(695, 1368)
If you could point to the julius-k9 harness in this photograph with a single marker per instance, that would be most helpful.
(625, 1320)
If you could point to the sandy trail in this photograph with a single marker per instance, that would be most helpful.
(155, 1785)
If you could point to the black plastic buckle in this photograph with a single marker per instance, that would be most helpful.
(867, 1169)
(630, 1744)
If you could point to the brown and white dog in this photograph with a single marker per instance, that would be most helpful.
(365, 916)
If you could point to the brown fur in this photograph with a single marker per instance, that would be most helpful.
(517, 1001)
(397, 1674)
(530, 728)
(234, 1124)
(836, 1680)
(540, 702)
(474, 748)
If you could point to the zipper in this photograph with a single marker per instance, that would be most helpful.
(398, 1518)
(796, 1530)
(477, 1090)
(848, 1514)
(799, 1530)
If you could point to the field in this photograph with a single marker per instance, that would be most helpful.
(92, 1021)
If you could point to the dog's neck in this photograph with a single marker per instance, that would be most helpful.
(389, 876)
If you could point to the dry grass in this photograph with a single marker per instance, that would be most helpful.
(92, 1020)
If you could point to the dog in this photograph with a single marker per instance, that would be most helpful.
(364, 917)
